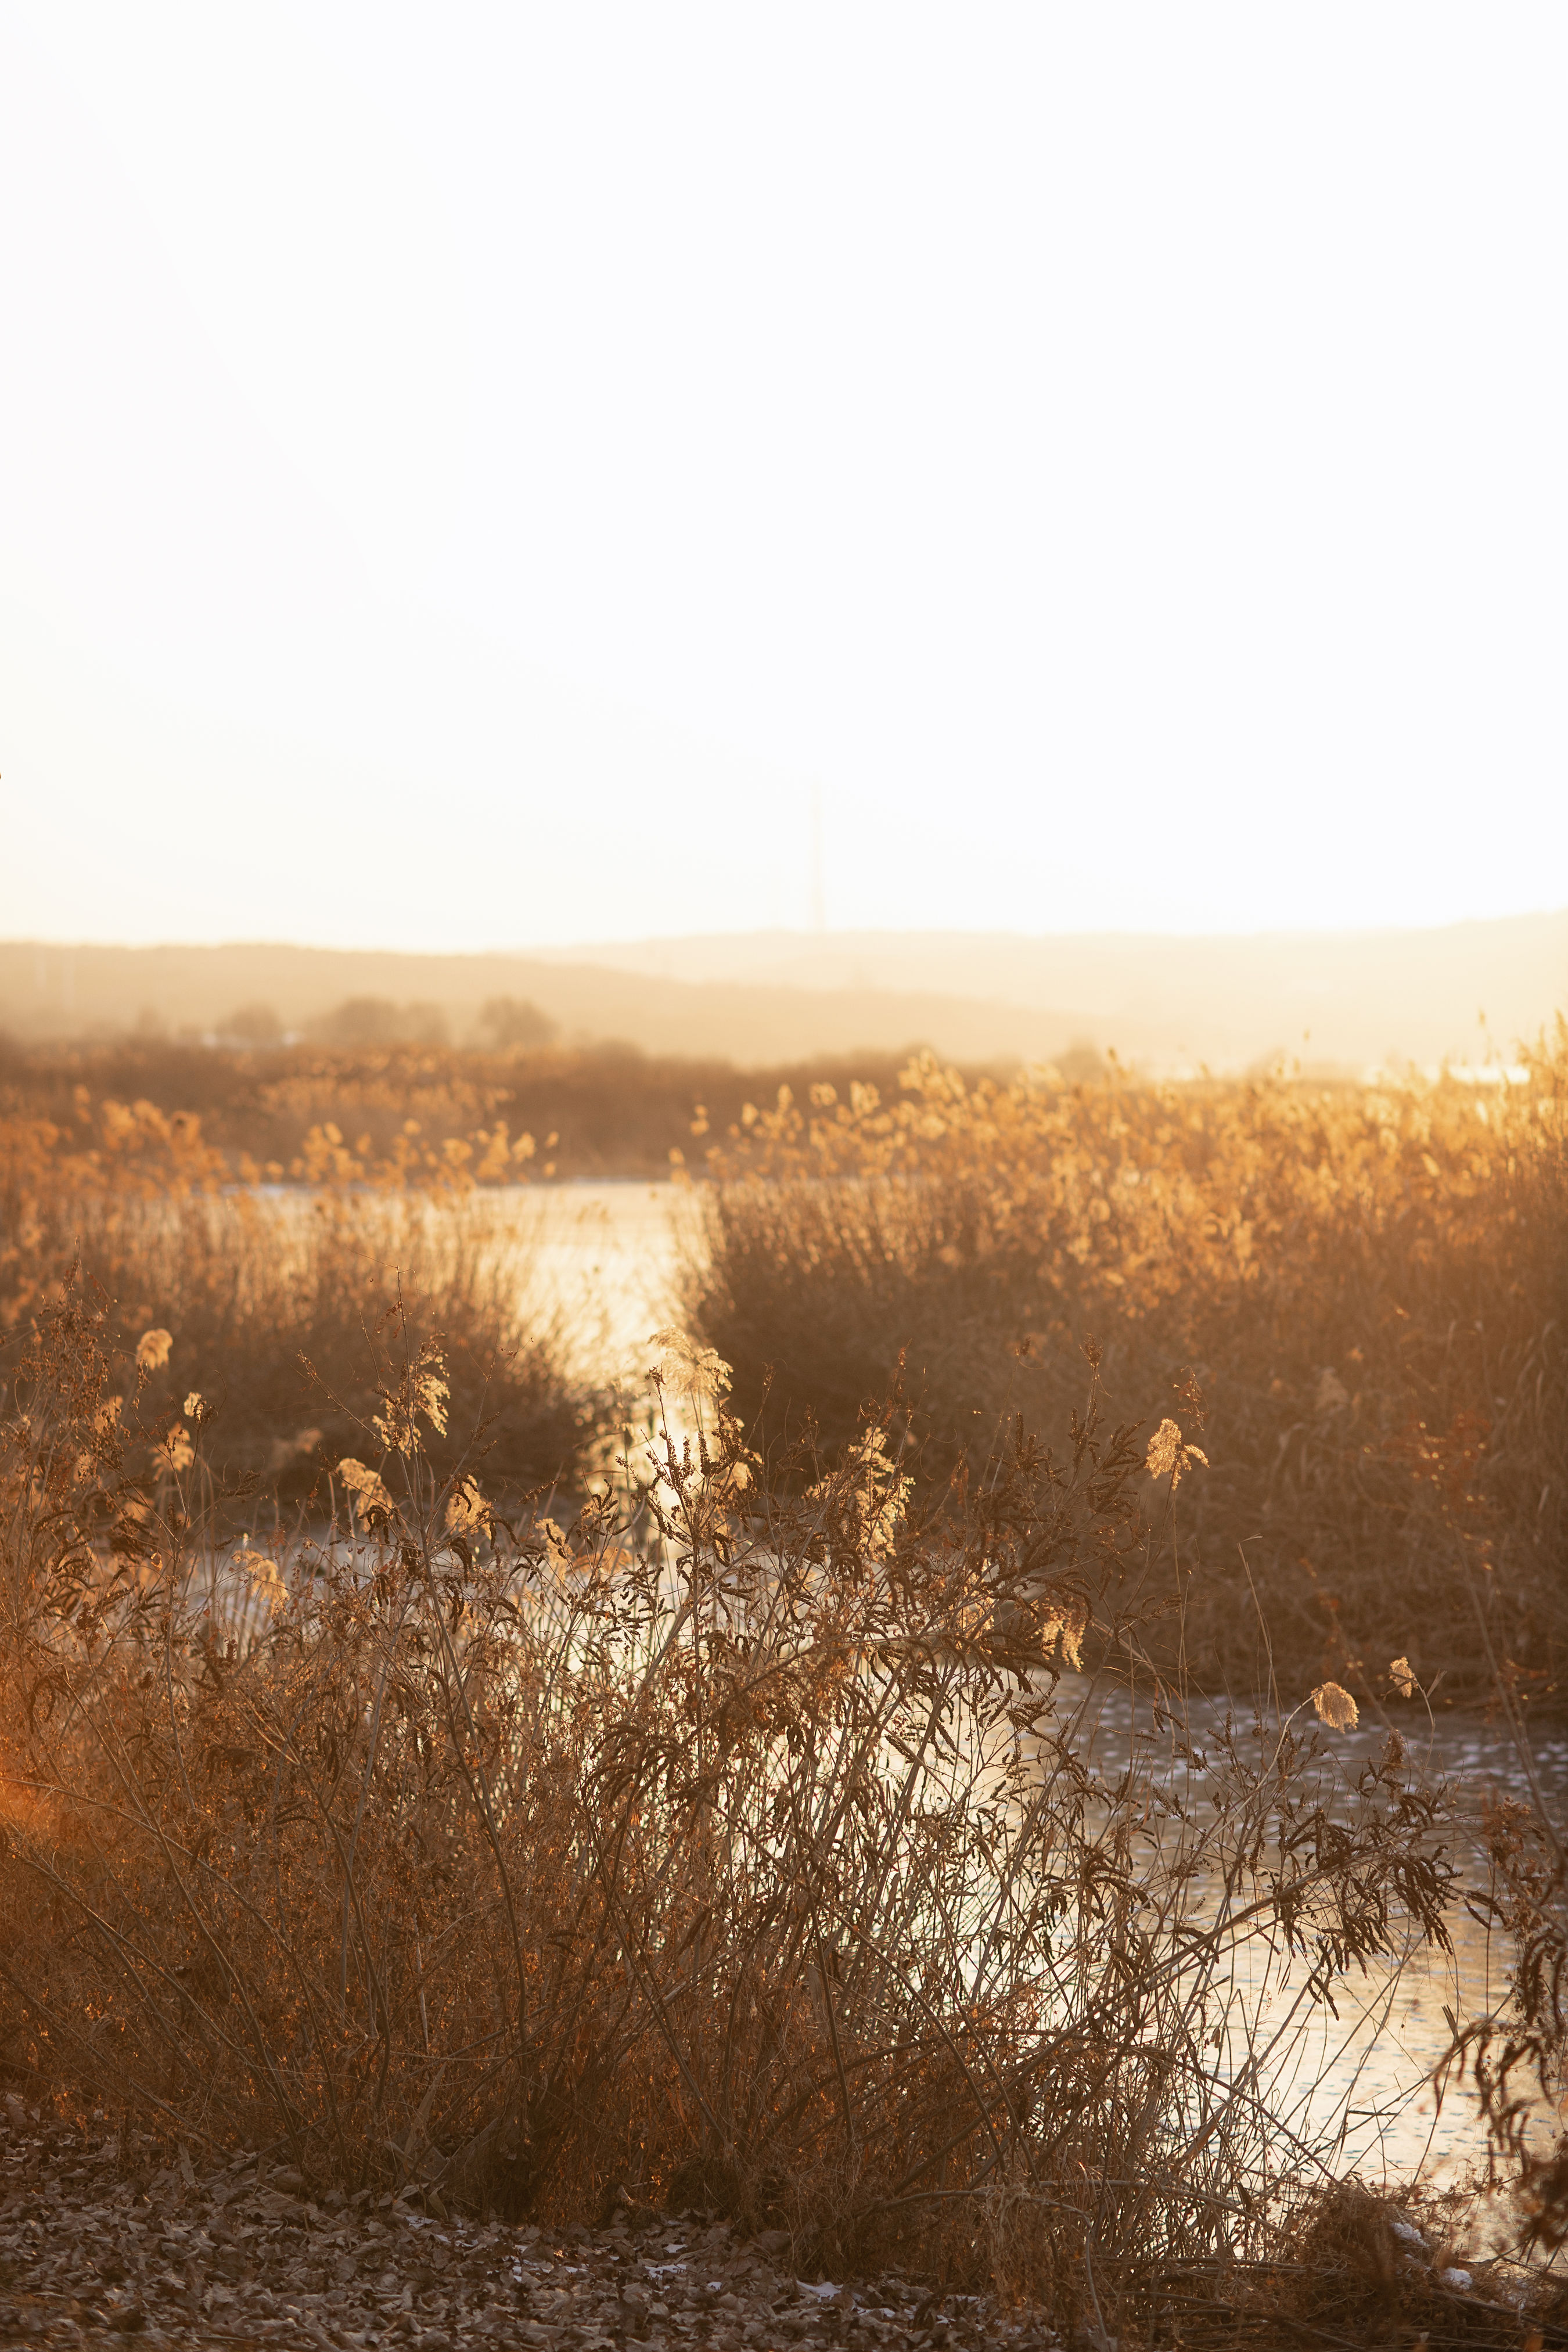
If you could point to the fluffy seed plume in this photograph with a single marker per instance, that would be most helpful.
(869, 1496)
(176, 1453)
(1065, 1624)
(424, 1390)
(431, 1389)
(266, 1579)
(687, 1368)
(1400, 1677)
(1169, 1455)
(557, 1549)
(1335, 1706)
(366, 1485)
(152, 1350)
(468, 1513)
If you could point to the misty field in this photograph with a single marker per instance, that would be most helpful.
(516, 1785)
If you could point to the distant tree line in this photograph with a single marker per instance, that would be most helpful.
(505, 1024)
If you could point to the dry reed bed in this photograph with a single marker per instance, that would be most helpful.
(274, 1296)
(1364, 1289)
(1299, 1266)
(592, 1111)
(698, 1848)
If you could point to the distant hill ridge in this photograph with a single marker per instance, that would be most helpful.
(1342, 999)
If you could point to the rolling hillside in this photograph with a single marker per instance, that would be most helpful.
(1347, 1001)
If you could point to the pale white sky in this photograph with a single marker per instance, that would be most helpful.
(469, 473)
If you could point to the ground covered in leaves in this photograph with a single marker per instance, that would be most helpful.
(100, 2241)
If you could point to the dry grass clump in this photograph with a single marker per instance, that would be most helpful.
(1369, 1285)
(1355, 2268)
(419, 1125)
(273, 1308)
(268, 1298)
(738, 1845)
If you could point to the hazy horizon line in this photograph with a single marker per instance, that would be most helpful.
(805, 934)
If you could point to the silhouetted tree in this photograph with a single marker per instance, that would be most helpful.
(377, 1021)
(508, 1021)
(254, 1025)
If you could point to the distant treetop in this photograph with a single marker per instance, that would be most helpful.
(506, 1022)
(377, 1021)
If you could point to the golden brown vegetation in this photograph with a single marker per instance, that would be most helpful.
(275, 1297)
(743, 1842)
(1367, 1286)
(736, 1838)
(607, 1110)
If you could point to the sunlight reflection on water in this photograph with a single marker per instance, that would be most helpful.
(607, 1257)
(606, 1260)
(1366, 2072)
(602, 1264)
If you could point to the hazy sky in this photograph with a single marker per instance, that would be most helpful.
(470, 474)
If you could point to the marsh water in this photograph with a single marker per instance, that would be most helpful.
(602, 1263)
(607, 1257)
